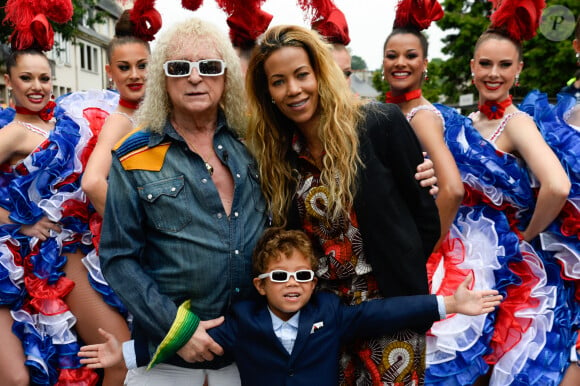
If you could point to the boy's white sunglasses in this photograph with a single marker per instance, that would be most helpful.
(281, 276)
(207, 67)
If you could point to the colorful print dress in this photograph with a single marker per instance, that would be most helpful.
(32, 281)
(527, 339)
(391, 360)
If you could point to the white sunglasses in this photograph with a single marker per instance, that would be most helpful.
(281, 276)
(207, 67)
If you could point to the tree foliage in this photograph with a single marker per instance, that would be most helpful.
(82, 8)
(358, 63)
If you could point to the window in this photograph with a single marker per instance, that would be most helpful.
(61, 51)
(89, 57)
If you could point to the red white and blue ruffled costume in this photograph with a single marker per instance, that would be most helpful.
(561, 241)
(527, 339)
(90, 109)
(32, 281)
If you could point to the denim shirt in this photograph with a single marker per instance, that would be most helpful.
(166, 237)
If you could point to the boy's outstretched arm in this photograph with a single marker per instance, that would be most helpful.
(468, 302)
(102, 355)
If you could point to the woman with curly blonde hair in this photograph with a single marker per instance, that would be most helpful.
(343, 171)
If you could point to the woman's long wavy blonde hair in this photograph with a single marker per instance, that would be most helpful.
(156, 105)
(270, 132)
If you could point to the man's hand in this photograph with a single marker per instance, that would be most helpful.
(201, 347)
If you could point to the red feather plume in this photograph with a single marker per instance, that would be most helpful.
(59, 11)
(145, 19)
(519, 19)
(192, 5)
(30, 20)
(417, 13)
(327, 19)
(246, 19)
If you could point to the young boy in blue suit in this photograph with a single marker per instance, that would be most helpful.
(293, 335)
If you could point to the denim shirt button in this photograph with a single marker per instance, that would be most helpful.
(237, 252)
(238, 175)
(204, 180)
(237, 290)
(220, 147)
(219, 215)
(236, 214)
(173, 188)
(149, 196)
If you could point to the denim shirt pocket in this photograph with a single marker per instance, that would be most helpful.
(257, 196)
(166, 203)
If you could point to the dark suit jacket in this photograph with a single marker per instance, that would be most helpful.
(248, 334)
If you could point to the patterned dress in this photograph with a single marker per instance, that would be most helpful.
(527, 339)
(343, 270)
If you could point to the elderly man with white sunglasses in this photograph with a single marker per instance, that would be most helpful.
(184, 208)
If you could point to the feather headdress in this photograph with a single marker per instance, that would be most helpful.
(192, 5)
(145, 19)
(327, 19)
(31, 22)
(518, 19)
(417, 14)
(246, 19)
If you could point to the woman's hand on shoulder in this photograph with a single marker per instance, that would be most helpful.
(426, 175)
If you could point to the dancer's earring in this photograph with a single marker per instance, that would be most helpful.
(517, 80)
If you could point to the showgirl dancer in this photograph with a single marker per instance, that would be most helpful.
(44, 214)
(515, 187)
(42, 181)
(405, 69)
(561, 241)
(128, 56)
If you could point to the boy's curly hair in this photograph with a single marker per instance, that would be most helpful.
(278, 242)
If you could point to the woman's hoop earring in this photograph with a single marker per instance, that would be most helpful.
(273, 101)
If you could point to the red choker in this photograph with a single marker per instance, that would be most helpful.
(129, 104)
(494, 110)
(406, 97)
(45, 114)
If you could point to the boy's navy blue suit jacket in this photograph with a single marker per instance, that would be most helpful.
(324, 326)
